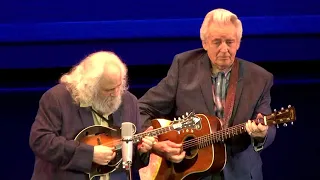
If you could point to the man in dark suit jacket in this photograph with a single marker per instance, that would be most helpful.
(212, 81)
(94, 92)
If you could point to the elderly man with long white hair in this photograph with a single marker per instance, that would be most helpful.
(94, 92)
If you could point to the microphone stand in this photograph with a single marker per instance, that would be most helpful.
(127, 131)
(127, 166)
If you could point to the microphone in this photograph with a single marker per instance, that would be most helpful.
(127, 130)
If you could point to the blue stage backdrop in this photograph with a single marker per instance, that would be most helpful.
(35, 34)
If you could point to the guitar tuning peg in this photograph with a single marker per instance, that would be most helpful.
(285, 125)
(282, 109)
(289, 106)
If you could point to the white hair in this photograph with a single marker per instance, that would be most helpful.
(83, 79)
(220, 16)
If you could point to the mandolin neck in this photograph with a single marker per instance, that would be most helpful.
(138, 137)
(155, 133)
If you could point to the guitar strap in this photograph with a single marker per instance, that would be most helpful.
(231, 93)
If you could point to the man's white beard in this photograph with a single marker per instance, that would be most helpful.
(106, 105)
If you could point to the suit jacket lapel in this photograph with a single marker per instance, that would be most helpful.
(206, 82)
(86, 116)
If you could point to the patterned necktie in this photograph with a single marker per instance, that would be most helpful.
(220, 94)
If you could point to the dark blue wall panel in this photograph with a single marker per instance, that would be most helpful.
(102, 10)
(152, 51)
(36, 34)
(159, 28)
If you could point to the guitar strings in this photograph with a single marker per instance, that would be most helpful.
(220, 135)
(198, 141)
(210, 138)
(202, 139)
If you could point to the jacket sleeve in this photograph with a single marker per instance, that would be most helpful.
(160, 100)
(141, 159)
(47, 143)
(264, 108)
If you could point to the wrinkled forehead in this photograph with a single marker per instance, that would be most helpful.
(225, 31)
(111, 80)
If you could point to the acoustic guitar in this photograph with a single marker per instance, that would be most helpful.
(102, 135)
(205, 147)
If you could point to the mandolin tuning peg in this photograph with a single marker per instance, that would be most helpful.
(289, 106)
(187, 113)
(275, 110)
(291, 123)
(277, 125)
(179, 118)
(282, 109)
(285, 125)
(182, 116)
(174, 119)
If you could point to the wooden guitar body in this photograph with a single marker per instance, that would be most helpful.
(200, 158)
(204, 146)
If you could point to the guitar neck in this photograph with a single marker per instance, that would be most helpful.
(219, 136)
(278, 117)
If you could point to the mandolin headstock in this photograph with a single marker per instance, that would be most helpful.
(188, 121)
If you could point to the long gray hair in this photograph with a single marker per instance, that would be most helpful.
(83, 79)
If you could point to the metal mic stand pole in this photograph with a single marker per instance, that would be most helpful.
(128, 171)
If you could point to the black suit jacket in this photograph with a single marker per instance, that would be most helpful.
(58, 121)
(188, 87)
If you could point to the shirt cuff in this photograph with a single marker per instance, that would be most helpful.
(258, 144)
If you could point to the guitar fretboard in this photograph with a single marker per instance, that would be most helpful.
(219, 136)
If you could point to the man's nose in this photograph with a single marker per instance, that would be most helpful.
(224, 47)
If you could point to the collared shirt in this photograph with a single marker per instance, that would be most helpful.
(97, 120)
(220, 83)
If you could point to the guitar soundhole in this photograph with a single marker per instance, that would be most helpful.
(191, 156)
(192, 150)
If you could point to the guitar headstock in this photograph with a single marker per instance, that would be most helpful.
(283, 116)
(188, 121)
